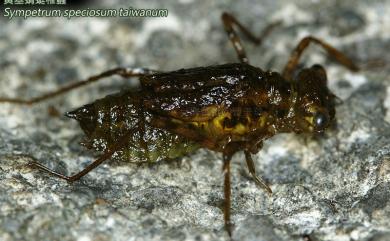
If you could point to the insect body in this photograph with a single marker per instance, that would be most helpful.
(105, 121)
(226, 108)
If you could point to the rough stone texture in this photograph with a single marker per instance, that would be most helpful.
(335, 187)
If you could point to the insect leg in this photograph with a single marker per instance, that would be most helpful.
(303, 44)
(124, 72)
(227, 193)
(251, 167)
(121, 143)
(229, 21)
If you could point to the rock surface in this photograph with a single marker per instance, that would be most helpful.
(334, 187)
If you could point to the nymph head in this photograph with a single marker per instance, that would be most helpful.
(315, 104)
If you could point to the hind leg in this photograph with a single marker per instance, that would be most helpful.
(123, 72)
(110, 151)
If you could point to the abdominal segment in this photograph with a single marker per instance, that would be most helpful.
(106, 121)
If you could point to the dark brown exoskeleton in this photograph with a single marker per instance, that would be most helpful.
(226, 108)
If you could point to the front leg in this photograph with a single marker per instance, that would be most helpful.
(251, 167)
(234, 147)
(303, 44)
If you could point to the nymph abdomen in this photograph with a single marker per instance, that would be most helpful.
(106, 120)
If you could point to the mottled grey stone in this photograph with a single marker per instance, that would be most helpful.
(331, 187)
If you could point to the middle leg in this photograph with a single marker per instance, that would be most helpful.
(229, 21)
(227, 193)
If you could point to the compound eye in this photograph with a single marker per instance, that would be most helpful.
(319, 68)
(321, 73)
(320, 121)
